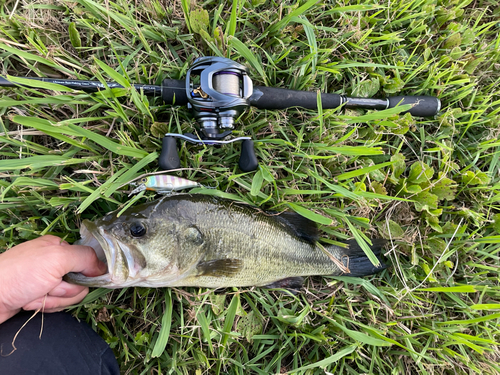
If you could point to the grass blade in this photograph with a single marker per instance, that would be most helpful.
(257, 181)
(249, 57)
(31, 57)
(229, 320)
(362, 243)
(468, 322)
(328, 361)
(320, 219)
(451, 289)
(362, 171)
(115, 76)
(296, 13)
(231, 29)
(166, 321)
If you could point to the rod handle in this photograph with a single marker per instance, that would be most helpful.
(248, 161)
(169, 157)
(173, 91)
(423, 106)
(278, 98)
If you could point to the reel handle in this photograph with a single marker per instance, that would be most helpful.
(248, 161)
(169, 157)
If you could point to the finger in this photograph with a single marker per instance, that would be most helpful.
(46, 240)
(52, 304)
(66, 290)
(49, 240)
(82, 259)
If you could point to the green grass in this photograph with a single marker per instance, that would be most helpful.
(430, 186)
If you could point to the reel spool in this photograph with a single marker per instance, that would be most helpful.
(218, 90)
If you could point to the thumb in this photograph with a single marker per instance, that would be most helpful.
(84, 259)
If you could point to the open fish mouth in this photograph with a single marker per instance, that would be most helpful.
(90, 237)
(124, 261)
(108, 250)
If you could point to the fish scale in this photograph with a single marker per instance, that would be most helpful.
(262, 246)
(204, 241)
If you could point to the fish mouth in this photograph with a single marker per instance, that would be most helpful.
(90, 236)
(109, 250)
(95, 237)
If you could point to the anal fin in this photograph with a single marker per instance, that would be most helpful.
(293, 284)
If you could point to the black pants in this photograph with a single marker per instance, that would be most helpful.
(66, 347)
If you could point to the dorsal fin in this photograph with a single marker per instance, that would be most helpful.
(302, 227)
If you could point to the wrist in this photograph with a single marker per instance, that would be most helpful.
(6, 312)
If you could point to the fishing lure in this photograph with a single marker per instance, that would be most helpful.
(163, 184)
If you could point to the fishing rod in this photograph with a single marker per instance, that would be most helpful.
(217, 90)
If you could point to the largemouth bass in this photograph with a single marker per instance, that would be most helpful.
(204, 241)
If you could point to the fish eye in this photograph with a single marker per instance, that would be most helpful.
(144, 180)
(137, 229)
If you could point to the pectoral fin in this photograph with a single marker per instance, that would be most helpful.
(220, 267)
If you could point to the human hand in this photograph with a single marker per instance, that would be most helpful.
(31, 275)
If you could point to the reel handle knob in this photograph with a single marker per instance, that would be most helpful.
(248, 161)
(169, 158)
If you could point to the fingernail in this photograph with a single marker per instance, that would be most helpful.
(103, 267)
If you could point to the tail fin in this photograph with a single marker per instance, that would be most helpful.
(358, 262)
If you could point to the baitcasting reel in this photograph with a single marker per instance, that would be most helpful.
(218, 91)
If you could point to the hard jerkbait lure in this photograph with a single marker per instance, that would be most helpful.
(163, 184)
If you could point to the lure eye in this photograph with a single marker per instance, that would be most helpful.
(137, 230)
